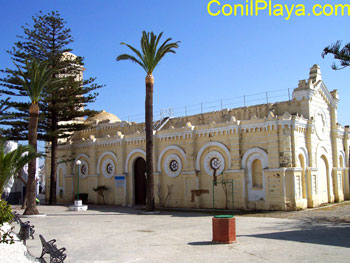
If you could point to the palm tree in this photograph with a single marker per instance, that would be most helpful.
(12, 162)
(148, 58)
(38, 76)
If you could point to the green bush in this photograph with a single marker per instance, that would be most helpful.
(5, 212)
(6, 216)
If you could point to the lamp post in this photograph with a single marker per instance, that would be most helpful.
(78, 163)
(78, 204)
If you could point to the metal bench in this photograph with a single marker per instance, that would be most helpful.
(49, 247)
(15, 217)
(26, 229)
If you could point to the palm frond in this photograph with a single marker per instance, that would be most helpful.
(37, 77)
(138, 54)
(150, 54)
(12, 162)
(132, 58)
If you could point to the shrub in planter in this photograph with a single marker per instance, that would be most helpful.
(5, 212)
(83, 197)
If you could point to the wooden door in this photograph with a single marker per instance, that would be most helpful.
(140, 181)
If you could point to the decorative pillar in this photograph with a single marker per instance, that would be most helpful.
(346, 164)
(310, 201)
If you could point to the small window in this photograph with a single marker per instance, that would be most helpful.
(257, 173)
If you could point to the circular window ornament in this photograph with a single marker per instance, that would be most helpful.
(84, 169)
(172, 165)
(214, 161)
(320, 124)
(108, 168)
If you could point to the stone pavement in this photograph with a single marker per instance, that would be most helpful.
(112, 234)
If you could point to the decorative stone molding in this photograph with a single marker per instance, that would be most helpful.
(112, 156)
(342, 154)
(82, 155)
(281, 170)
(84, 166)
(138, 139)
(140, 151)
(108, 168)
(84, 169)
(322, 150)
(320, 123)
(214, 160)
(165, 150)
(338, 169)
(234, 171)
(232, 129)
(303, 151)
(60, 166)
(186, 134)
(255, 194)
(297, 169)
(258, 153)
(189, 173)
(172, 165)
(213, 144)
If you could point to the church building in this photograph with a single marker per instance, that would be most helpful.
(276, 156)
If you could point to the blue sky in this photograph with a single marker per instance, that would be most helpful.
(219, 57)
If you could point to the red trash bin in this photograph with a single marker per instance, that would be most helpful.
(224, 229)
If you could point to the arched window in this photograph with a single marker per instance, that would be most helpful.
(257, 174)
(60, 178)
(341, 180)
(341, 163)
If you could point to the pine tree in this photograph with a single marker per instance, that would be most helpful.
(62, 110)
(3, 108)
(340, 53)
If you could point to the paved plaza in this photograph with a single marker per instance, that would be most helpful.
(111, 234)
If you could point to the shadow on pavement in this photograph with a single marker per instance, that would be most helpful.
(203, 243)
(139, 210)
(330, 235)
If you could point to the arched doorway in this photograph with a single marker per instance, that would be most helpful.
(140, 181)
(323, 179)
(303, 177)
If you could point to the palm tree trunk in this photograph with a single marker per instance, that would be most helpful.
(32, 140)
(53, 177)
(150, 206)
(54, 143)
